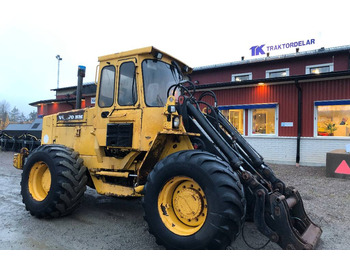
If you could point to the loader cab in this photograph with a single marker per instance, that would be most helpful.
(131, 95)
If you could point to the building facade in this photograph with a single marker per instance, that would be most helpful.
(66, 100)
(293, 108)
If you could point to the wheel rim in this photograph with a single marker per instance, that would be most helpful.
(182, 206)
(39, 181)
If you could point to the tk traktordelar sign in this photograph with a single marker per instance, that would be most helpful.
(260, 49)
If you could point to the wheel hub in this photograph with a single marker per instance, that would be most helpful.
(182, 206)
(188, 204)
(39, 182)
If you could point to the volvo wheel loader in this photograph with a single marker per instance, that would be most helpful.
(151, 135)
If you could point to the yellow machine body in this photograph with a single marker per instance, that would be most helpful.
(153, 136)
(134, 143)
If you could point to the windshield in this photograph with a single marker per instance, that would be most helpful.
(157, 78)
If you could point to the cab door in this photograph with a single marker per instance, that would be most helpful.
(122, 120)
(105, 103)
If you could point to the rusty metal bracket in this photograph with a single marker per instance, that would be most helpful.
(289, 220)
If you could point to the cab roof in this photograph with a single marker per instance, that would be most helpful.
(146, 50)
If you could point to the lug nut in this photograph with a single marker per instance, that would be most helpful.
(274, 238)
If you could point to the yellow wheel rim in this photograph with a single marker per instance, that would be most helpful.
(182, 206)
(39, 181)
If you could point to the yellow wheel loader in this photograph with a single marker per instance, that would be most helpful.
(152, 135)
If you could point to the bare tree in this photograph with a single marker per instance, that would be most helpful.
(4, 109)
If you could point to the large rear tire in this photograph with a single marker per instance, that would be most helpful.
(53, 181)
(194, 200)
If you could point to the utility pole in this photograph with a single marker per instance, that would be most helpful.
(58, 70)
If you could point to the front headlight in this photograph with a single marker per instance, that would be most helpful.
(171, 109)
(176, 122)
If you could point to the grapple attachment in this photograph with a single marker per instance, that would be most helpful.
(286, 221)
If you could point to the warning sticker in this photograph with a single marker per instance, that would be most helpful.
(343, 168)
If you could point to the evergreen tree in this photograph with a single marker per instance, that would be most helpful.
(32, 116)
(21, 118)
(14, 114)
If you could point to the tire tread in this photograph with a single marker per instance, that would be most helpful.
(233, 201)
(71, 179)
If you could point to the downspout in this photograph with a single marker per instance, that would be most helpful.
(300, 103)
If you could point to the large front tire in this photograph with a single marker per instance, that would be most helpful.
(53, 181)
(194, 200)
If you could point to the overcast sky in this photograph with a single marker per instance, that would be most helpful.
(198, 33)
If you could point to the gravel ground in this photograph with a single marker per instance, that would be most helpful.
(117, 224)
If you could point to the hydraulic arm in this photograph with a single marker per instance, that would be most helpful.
(277, 210)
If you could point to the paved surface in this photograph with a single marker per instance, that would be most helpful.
(110, 223)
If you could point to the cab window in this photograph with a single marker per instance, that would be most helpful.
(127, 94)
(157, 78)
(106, 94)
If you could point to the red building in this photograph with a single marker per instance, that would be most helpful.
(66, 99)
(293, 108)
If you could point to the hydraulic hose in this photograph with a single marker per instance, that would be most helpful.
(234, 161)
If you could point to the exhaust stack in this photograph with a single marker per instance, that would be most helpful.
(81, 75)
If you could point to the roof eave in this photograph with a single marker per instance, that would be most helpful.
(285, 79)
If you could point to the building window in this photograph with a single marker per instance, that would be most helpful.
(241, 77)
(318, 69)
(262, 118)
(236, 118)
(263, 121)
(332, 118)
(277, 73)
